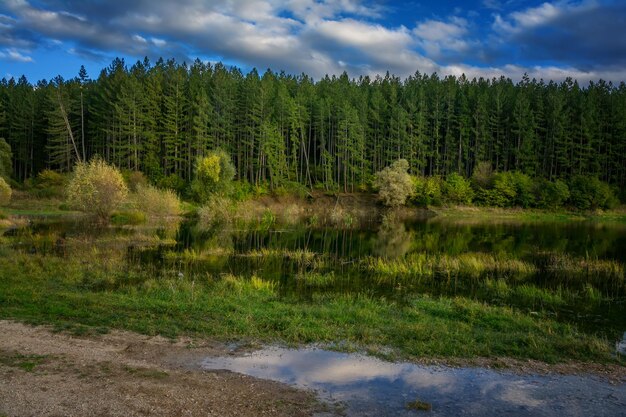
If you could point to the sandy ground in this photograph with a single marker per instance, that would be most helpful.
(125, 374)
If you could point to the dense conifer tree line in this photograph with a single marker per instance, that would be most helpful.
(334, 133)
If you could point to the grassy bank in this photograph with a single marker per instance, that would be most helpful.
(472, 214)
(107, 294)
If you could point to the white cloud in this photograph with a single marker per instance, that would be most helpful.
(158, 42)
(438, 31)
(533, 17)
(352, 33)
(316, 37)
(14, 55)
(437, 37)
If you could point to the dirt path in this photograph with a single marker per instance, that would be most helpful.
(125, 374)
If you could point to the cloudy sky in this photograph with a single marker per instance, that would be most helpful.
(584, 39)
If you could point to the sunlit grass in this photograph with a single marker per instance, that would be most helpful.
(41, 289)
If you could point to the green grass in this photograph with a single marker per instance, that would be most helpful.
(26, 363)
(68, 293)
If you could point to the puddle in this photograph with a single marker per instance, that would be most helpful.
(371, 387)
(620, 347)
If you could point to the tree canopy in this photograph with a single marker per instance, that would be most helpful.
(334, 133)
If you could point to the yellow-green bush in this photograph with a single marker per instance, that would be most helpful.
(96, 188)
(216, 210)
(49, 183)
(157, 203)
(135, 180)
(213, 175)
(5, 192)
(394, 184)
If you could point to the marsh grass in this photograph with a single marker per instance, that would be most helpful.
(583, 267)
(111, 294)
(467, 264)
(157, 204)
(316, 279)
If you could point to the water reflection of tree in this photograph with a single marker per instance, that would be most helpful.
(393, 240)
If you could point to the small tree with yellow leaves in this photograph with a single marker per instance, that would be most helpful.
(96, 188)
(5, 192)
(214, 173)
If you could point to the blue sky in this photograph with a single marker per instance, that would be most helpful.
(583, 39)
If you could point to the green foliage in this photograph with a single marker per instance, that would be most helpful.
(96, 188)
(551, 195)
(394, 184)
(333, 134)
(482, 176)
(157, 203)
(216, 210)
(457, 190)
(589, 193)
(291, 188)
(524, 189)
(501, 194)
(48, 178)
(172, 182)
(242, 190)
(213, 174)
(49, 183)
(5, 192)
(6, 167)
(134, 180)
(427, 191)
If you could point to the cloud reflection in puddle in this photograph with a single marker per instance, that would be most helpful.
(372, 387)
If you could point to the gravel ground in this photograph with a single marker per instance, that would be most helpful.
(125, 374)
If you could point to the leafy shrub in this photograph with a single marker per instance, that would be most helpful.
(48, 184)
(524, 189)
(5, 192)
(216, 210)
(50, 178)
(427, 191)
(457, 190)
(505, 189)
(242, 190)
(394, 184)
(96, 188)
(134, 180)
(551, 195)
(589, 193)
(501, 194)
(291, 188)
(172, 182)
(482, 176)
(157, 203)
(213, 175)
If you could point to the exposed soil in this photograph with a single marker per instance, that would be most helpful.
(126, 374)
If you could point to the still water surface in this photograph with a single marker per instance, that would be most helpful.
(367, 386)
